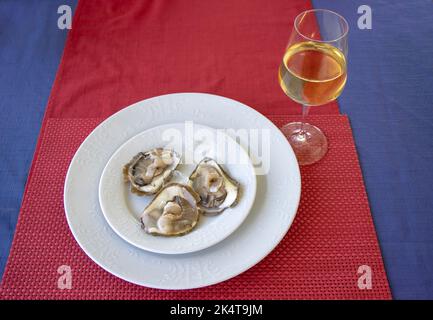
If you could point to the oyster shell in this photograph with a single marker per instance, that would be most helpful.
(217, 190)
(174, 211)
(148, 171)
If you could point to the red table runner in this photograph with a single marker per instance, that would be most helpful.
(331, 237)
(123, 51)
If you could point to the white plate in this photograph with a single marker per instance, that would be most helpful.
(122, 209)
(274, 209)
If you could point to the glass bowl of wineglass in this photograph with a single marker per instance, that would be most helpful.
(313, 72)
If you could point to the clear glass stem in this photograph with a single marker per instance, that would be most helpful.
(302, 134)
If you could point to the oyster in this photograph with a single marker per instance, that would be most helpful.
(174, 211)
(148, 171)
(217, 190)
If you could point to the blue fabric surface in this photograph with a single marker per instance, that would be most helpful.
(388, 98)
(30, 49)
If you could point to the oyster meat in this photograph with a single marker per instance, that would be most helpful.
(148, 171)
(217, 190)
(174, 211)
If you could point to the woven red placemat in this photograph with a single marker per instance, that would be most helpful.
(332, 236)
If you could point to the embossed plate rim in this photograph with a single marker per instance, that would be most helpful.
(254, 239)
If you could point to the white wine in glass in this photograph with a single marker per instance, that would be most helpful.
(313, 72)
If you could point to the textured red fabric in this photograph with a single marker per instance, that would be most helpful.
(123, 51)
(332, 235)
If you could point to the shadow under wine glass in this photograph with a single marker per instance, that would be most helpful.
(313, 72)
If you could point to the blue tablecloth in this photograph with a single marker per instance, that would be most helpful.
(31, 45)
(389, 99)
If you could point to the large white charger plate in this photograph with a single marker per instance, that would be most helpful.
(275, 206)
(193, 142)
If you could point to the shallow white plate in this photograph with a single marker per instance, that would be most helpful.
(122, 209)
(274, 209)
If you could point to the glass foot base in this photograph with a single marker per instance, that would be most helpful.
(309, 146)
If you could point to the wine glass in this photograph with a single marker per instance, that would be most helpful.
(313, 72)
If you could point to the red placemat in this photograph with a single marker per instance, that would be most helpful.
(331, 237)
(123, 51)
